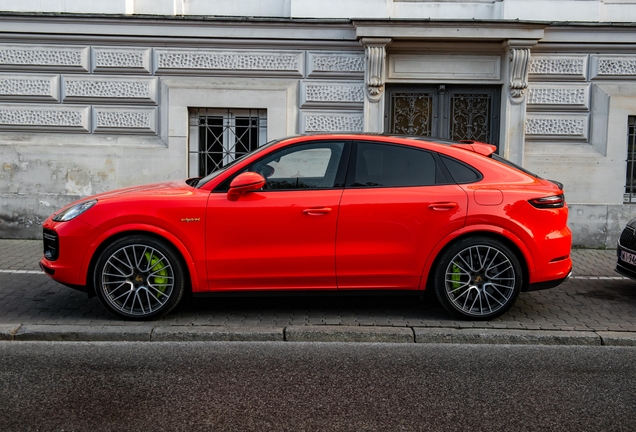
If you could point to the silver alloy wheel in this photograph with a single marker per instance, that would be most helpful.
(137, 280)
(480, 280)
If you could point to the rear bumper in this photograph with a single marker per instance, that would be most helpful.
(548, 284)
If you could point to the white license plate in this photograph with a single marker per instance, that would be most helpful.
(628, 258)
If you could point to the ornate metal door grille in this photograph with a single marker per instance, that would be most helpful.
(445, 111)
(470, 117)
(412, 113)
(219, 136)
(630, 182)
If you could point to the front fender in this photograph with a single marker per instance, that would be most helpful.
(196, 279)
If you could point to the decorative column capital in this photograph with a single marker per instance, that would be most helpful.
(519, 55)
(375, 54)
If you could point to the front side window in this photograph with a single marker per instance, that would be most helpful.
(385, 165)
(302, 166)
(306, 166)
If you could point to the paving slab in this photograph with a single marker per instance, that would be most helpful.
(348, 334)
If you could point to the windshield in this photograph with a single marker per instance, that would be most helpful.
(212, 175)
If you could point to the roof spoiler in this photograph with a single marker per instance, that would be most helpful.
(476, 146)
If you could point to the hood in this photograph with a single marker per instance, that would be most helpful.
(164, 188)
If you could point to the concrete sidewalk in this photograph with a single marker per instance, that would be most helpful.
(595, 307)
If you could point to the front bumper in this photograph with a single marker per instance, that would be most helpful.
(625, 252)
(65, 245)
(622, 267)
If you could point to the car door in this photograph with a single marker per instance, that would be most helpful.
(283, 236)
(396, 207)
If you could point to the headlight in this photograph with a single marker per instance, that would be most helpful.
(74, 211)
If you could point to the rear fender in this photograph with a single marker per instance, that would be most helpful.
(474, 230)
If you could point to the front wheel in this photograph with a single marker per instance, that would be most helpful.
(139, 278)
(478, 278)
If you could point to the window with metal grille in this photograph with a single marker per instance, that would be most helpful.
(630, 182)
(219, 136)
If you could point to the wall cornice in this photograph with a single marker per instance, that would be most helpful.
(448, 30)
(177, 28)
(618, 33)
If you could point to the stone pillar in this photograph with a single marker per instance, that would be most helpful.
(516, 62)
(374, 76)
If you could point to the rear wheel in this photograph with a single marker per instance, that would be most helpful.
(139, 277)
(478, 278)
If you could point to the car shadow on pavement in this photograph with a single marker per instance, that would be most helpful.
(586, 304)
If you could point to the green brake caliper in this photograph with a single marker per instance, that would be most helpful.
(160, 270)
(456, 277)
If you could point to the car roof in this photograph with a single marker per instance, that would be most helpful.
(353, 135)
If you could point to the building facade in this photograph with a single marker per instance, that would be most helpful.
(100, 95)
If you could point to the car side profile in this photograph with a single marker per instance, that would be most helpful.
(325, 213)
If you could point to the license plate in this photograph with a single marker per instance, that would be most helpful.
(628, 258)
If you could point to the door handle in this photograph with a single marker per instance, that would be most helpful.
(317, 211)
(443, 206)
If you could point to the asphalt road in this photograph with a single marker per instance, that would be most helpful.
(314, 386)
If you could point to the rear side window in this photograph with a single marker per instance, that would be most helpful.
(461, 172)
(386, 165)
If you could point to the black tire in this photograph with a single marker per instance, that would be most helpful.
(477, 278)
(139, 278)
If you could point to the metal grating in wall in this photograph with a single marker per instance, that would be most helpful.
(219, 136)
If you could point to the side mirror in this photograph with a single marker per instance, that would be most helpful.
(243, 183)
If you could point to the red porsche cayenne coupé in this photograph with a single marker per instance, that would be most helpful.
(322, 212)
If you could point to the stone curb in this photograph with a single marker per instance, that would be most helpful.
(618, 338)
(315, 333)
(216, 333)
(8, 331)
(348, 334)
(41, 332)
(503, 336)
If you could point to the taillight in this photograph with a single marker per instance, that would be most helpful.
(554, 201)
